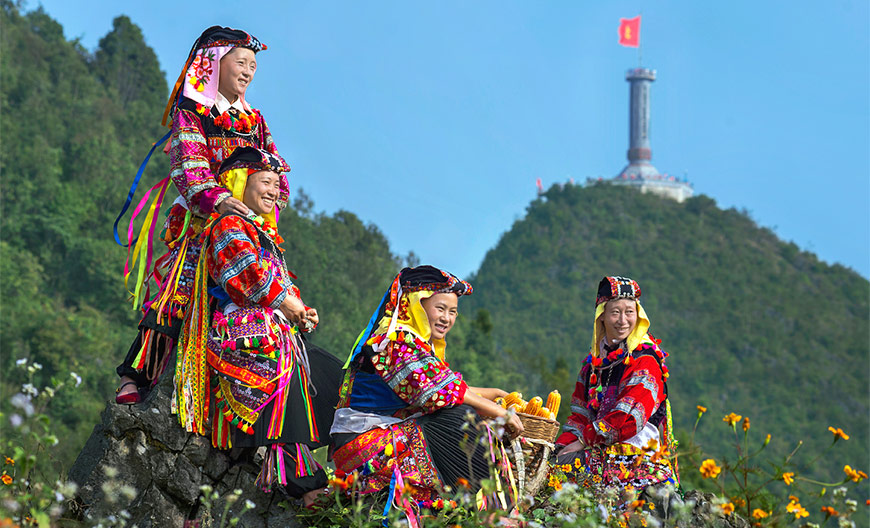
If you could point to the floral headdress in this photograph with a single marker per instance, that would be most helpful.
(199, 77)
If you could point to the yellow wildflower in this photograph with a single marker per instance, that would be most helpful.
(6, 479)
(10, 461)
(788, 478)
(759, 513)
(727, 508)
(566, 468)
(795, 508)
(738, 502)
(701, 409)
(838, 433)
(731, 419)
(709, 469)
(578, 463)
(856, 476)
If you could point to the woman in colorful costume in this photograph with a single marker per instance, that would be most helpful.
(244, 374)
(401, 413)
(620, 428)
(210, 118)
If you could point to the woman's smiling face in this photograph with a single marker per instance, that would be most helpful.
(261, 191)
(620, 318)
(441, 310)
(236, 73)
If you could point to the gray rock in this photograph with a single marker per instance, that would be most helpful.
(142, 447)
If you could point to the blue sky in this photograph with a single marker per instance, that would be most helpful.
(433, 119)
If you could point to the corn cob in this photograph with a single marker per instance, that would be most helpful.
(514, 397)
(543, 412)
(501, 401)
(553, 401)
(533, 406)
(516, 407)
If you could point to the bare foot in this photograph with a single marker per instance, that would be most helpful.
(309, 498)
(127, 386)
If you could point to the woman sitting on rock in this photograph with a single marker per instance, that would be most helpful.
(402, 411)
(244, 374)
(620, 422)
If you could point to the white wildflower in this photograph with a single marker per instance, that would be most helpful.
(22, 401)
(249, 504)
(49, 391)
(20, 362)
(76, 377)
(15, 420)
(29, 390)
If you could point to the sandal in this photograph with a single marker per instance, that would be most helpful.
(127, 399)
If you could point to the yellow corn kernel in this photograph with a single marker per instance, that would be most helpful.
(501, 402)
(533, 405)
(553, 401)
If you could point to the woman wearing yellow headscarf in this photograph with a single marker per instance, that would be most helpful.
(244, 375)
(620, 424)
(402, 413)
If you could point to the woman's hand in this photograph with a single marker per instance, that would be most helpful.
(489, 409)
(311, 319)
(575, 446)
(293, 310)
(490, 393)
(232, 205)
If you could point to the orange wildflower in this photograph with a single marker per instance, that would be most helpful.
(701, 410)
(731, 419)
(637, 504)
(10, 461)
(788, 478)
(6, 479)
(745, 424)
(738, 502)
(709, 469)
(462, 482)
(829, 511)
(338, 483)
(727, 508)
(854, 475)
(759, 513)
(838, 433)
(795, 508)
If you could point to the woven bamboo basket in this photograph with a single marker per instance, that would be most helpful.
(532, 450)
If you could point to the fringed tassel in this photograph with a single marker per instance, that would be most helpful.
(396, 497)
(191, 367)
(145, 239)
(306, 466)
(285, 369)
(273, 470)
(167, 292)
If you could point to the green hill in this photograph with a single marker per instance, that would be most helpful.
(753, 324)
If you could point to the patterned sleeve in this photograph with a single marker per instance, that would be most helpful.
(641, 391)
(417, 376)
(190, 169)
(269, 145)
(580, 416)
(234, 262)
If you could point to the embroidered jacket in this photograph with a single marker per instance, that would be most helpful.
(197, 148)
(633, 395)
(400, 379)
(247, 267)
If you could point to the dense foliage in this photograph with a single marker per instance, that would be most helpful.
(76, 126)
(754, 325)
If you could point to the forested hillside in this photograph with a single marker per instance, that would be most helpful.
(76, 125)
(753, 324)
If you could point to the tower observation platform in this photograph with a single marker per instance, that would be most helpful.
(640, 171)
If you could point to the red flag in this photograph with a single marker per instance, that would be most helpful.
(539, 185)
(629, 31)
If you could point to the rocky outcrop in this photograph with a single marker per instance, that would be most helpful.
(139, 461)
